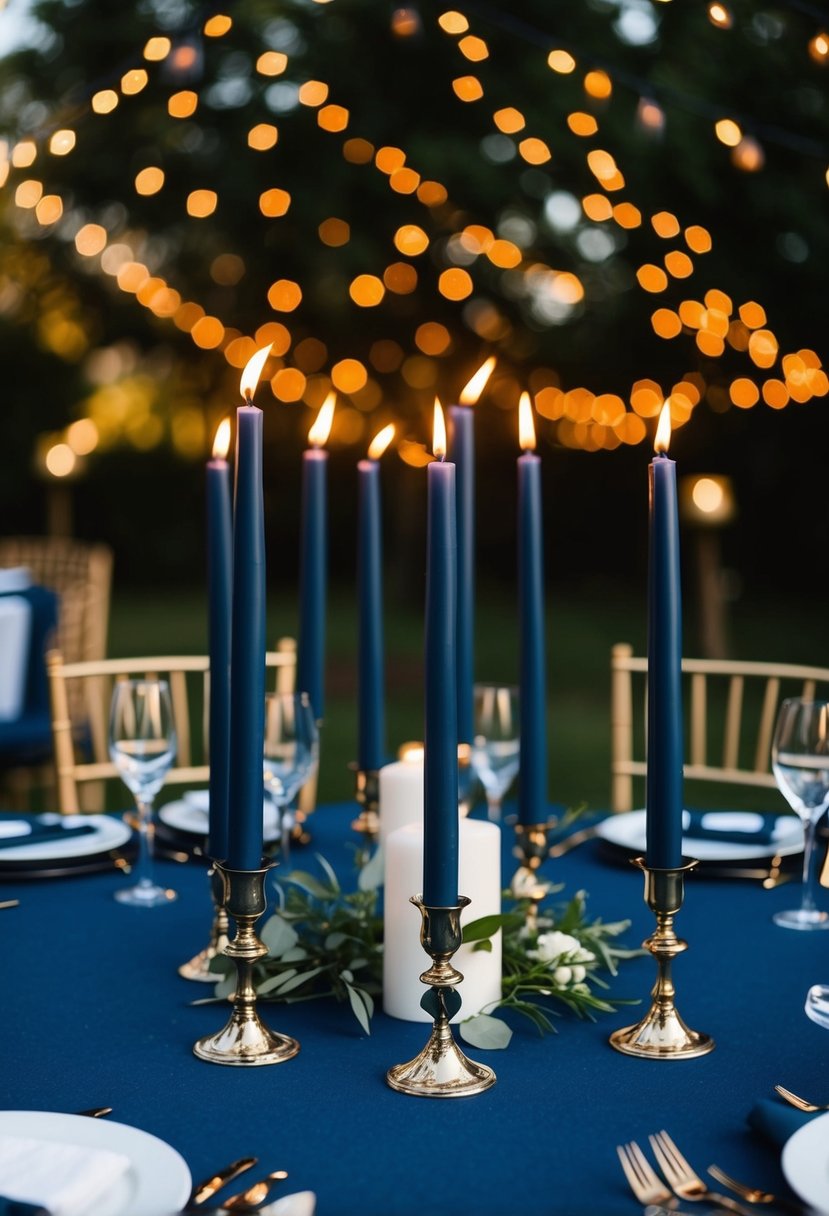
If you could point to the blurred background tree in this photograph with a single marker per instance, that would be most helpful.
(621, 199)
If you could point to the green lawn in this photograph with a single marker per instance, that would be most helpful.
(581, 630)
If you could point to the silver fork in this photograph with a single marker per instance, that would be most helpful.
(642, 1178)
(682, 1179)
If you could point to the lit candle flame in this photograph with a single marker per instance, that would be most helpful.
(663, 430)
(526, 425)
(252, 372)
(380, 442)
(472, 391)
(221, 443)
(439, 432)
(321, 428)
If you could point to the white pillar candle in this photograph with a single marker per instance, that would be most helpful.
(404, 959)
(401, 798)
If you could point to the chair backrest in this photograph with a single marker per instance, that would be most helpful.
(81, 574)
(731, 708)
(80, 739)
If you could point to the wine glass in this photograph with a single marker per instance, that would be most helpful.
(290, 750)
(142, 744)
(496, 742)
(800, 760)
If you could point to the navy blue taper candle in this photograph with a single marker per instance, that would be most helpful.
(219, 596)
(371, 710)
(440, 812)
(314, 561)
(532, 779)
(247, 654)
(665, 731)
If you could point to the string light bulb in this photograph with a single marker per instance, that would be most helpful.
(720, 16)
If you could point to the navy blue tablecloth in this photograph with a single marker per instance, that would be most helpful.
(94, 1013)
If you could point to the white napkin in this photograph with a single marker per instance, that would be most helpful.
(15, 636)
(67, 1179)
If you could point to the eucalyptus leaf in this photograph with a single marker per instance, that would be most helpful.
(334, 940)
(486, 1032)
(312, 885)
(278, 935)
(329, 870)
(359, 1006)
(488, 926)
(371, 875)
(276, 981)
(295, 955)
(298, 980)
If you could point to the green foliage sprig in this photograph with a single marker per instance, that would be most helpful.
(324, 942)
(559, 960)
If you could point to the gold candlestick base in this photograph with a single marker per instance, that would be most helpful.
(367, 794)
(662, 1034)
(198, 968)
(245, 1040)
(441, 1070)
(531, 848)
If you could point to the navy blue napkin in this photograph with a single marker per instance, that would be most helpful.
(44, 835)
(18, 1207)
(777, 1121)
(696, 830)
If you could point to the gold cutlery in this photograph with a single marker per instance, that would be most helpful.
(573, 841)
(95, 1112)
(642, 1178)
(682, 1179)
(206, 1189)
(752, 1194)
(256, 1194)
(799, 1103)
(10, 903)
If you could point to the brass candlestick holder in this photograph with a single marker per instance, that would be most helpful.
(245, 1039)
(532, 845)
(198, 968)
(441, 1070)
(662, 1034)
(367, 794)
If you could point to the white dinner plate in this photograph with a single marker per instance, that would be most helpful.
(157, 1181)
(109, 834)
(805, 1163)
(190, 815)
(627, 831)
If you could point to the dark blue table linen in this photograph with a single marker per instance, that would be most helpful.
(95, 1013)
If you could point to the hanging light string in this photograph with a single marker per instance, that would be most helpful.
(453, 283)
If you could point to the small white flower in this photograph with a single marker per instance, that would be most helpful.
(562, 976)
(580, 988)
(553, 945)
(584, 956)
(578, 973)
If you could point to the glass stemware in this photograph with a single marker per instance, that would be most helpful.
(800, 761)
(142, 745)
(496, 745)
(290, 751)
